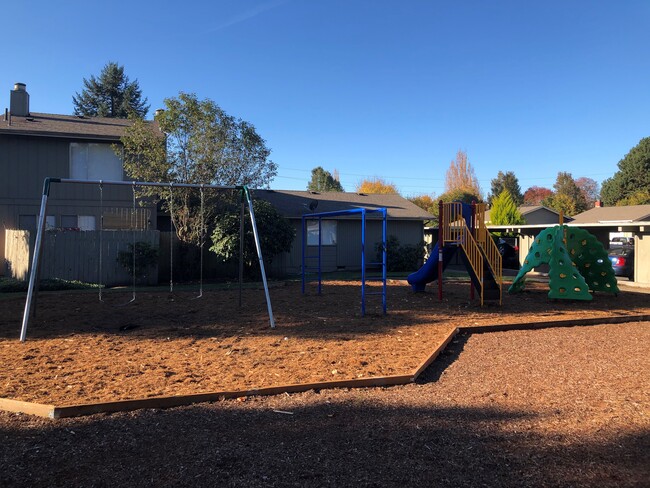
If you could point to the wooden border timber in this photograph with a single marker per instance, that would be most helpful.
(56, 412)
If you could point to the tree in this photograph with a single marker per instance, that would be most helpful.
(323, 181)
(506, 181)
(632, 180)
(567, 196)
(504, 210)
(535, 195)
(461, 176)
(376, 185)
(425, 202)
(589, 189)
(110, 95)
(197, 143)
(276, 235)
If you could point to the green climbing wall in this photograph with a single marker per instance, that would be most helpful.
(577, 263)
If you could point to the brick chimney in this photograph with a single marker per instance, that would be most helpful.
(598, 203)
(19, 100)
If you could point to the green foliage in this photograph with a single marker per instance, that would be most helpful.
(276, 235)
(567, 197)
(11, 285)
(110, 95)
(323, 181)
(506, 181)
(632, 180)
(146, 257)
(197, 143)
(401, 258)
(504, 211)
(639, 197)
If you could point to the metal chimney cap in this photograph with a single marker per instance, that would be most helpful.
(158, 112)
(20, 87)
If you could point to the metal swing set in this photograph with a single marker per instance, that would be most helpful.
(246, 199)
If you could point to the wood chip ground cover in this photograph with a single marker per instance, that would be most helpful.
(82, 351)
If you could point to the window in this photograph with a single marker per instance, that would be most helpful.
(27, 222)
(30, 222)
(50, 222)
(86, 222)
(328, 228)
(69, 222)
(91, 161)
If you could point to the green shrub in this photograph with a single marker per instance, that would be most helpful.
(401, 258)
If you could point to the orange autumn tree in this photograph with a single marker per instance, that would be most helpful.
(376, 185)
(460, 177)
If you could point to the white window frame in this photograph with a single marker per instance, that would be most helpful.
(95, 161)
(329, 229)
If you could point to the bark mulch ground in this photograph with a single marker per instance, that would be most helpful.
(565, 406)
(82, 351)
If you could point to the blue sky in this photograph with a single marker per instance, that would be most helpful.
(370, 88)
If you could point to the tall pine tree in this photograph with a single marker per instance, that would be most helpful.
(110, 95)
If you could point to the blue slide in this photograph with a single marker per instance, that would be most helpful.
(429, 271)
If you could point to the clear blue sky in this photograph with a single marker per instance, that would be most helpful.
(368, 87)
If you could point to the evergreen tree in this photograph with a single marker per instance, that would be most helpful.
(630, 185)
(323, 181)
(110, 95)
(506, 181)
(504, 210)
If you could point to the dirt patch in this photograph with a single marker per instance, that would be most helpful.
(81, 351)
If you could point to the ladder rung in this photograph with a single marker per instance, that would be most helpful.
(311, 257)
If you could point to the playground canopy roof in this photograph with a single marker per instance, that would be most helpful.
(294, 204)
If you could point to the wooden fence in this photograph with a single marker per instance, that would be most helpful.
(74, 255)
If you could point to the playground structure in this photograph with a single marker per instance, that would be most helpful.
(461, 228)
(32, 290)
(577, 263)
(305, 268)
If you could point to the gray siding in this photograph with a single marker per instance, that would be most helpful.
(24, 164)
(347, 252)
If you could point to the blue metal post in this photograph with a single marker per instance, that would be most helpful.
(320, 244)
(383, 257)
(363, 262)
(304, 249)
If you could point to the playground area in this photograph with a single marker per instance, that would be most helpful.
(80, 351)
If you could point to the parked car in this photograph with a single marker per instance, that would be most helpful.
(509, 255)
(621, 241)
(622, 259)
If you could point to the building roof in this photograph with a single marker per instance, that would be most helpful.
(295, 204)
(528, 209)
(69, 126)
(625, 214)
